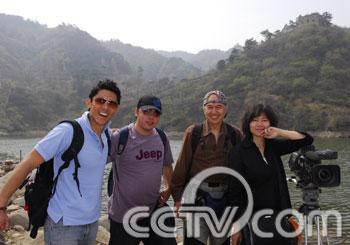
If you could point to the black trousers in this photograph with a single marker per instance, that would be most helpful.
(267, 224)
(119, 236)
(193, 241)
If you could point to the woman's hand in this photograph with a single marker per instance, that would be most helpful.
(271, 132)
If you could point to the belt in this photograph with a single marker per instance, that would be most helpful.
(213, 184)
(213, 187)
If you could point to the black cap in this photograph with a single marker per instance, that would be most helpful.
(149, 102)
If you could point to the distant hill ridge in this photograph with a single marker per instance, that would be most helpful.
(302, 70)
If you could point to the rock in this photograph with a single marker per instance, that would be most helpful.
(8, 168)
(19, 217)
(12, 208)
(23, 238)
(19, 193)
(19, 228)
(16, 235)
(2, 238)
(9, 162)
(104, 222)
(18, 201)
(102, 235)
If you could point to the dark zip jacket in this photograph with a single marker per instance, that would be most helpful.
(266, 177)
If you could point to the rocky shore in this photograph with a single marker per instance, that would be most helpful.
(17, 233)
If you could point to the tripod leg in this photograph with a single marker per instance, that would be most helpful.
(319, 239)
(305, 229)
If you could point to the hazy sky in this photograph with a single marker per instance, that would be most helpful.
(188, 25)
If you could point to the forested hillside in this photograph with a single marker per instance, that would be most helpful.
(302, 70)
(44, 72)
(149, 65)
(205, 59)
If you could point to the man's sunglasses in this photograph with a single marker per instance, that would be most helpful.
(101, 101)
(151, 112)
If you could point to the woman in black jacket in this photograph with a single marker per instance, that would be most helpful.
(258, 160)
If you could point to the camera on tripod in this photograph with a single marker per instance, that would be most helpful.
(306, 164)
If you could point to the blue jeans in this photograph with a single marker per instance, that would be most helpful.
(59, 234)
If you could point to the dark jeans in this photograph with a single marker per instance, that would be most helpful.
(193, 241)
(119, 236)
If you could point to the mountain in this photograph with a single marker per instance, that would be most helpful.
(205, 59)
(42, 69)
(150, 65)
(303, 71)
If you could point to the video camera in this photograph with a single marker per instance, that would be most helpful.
(306, 164)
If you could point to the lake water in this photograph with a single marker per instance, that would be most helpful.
(331, 198)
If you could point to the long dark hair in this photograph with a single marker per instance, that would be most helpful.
(255, 111)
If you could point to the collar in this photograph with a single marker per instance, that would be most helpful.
(207, 130)
(86, 122)
(134, 133)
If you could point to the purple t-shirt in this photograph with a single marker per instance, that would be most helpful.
(139, 172)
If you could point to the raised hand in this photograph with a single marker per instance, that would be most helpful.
(271, 132)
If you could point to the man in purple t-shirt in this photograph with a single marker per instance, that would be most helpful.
(139, 169)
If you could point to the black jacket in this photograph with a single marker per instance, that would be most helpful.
(266, 180)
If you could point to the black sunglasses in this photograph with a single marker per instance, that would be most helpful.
(101, 101)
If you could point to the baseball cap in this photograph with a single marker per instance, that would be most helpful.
(221, 98)
(150, 102)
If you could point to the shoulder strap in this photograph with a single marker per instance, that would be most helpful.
(72, 153)
(123, 139)
(77, 141)
(162, 136)
(108, 141)
(196, 137)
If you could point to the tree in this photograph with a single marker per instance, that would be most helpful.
(292, 24)
(220, 65)
(234, 54)
(266, 34)
(250, 44)
(327, 18)
(139, 73)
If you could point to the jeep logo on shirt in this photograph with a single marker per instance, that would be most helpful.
(149, 154)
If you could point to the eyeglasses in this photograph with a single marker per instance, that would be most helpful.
(101, 101)
(151, 112)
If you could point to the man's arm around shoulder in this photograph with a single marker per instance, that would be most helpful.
(16, 178)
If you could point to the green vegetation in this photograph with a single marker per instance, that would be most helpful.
(303, 71)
